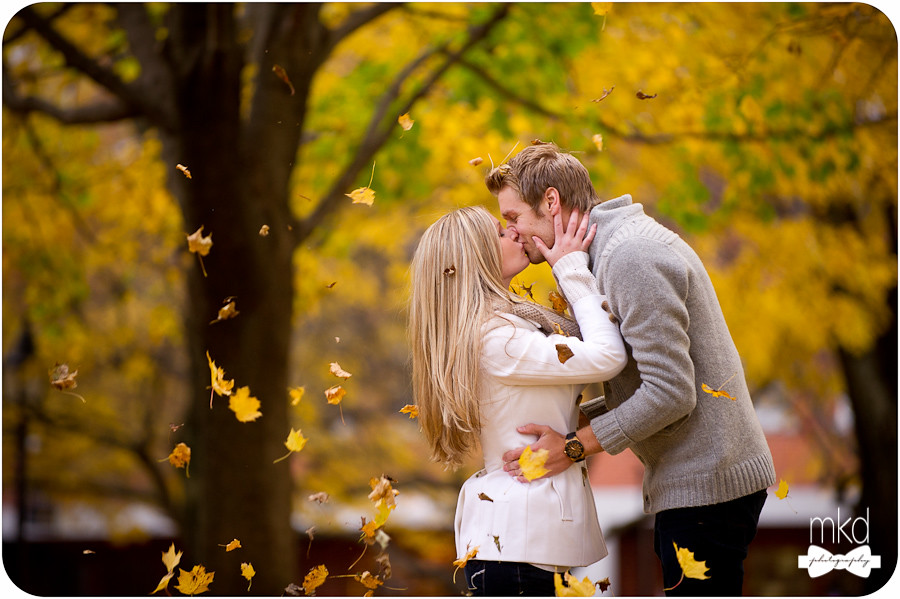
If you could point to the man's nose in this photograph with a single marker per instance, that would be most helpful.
(513, 233)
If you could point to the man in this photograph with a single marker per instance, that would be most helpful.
(706, 461)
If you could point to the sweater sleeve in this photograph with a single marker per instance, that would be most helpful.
(649, 284)
(525, 356)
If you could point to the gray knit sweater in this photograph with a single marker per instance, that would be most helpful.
(697, 449)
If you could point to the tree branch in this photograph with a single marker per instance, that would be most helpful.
(378, 131)
(356, 20)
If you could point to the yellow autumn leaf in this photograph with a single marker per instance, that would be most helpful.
(180, 457)
(295, 442)
(234, 544)
(335, 394)
(601, 8)
(314, 579)
(532, 463)
(62, 379)
(598, 141)
(782, 491)
(461, 562)
(405, 121)
(194, 582)
(573, 586)
(339, 372)
(170, 560)
(382, 491)
(218, 383)
(227, 311)
(244, 406)
(184, 170)
(691, 567)
(264, 231)
(557, 302)
(368, 580)
(296, 394)
(248, 572)
(716, 392)
(282, 74)
(410, 409)
(364, 195)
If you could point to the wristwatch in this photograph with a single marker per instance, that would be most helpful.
(574, 448)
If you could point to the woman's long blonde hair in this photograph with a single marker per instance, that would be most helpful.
(456, 287)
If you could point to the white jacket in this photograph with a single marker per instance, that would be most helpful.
(550, 521)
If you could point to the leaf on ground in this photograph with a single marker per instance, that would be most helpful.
(244, 406)
(194, 582)
(532, 463)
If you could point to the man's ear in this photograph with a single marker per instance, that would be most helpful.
(551, 197)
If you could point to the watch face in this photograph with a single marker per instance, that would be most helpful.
(574, 449)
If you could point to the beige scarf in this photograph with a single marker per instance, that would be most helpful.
(546, 319)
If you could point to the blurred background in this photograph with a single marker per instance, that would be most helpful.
(763, 133)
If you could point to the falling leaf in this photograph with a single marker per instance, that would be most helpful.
(314, 579)
(563, 352)
(235, 544)
(339, 372)
(62, 379)
(412, 410)
(782, 491)
(295, 442)
(368, 581)
(601, 8)
(461, 562)
(331, 285)
(484, 497)
(450, 271)
(598, 141)
(264, 230)
(603, 585)
(691, 567)
(296, 394)
(532, 463)
(642, 96)
(227, 311)
(200, 245)
(88, 552)
(320, 497)
(218, 383)
(248, 572)
(497, 543)
(382, 491)
(244, 406)
(557, 302)
(293, 590)
(573, 586)
(174, 427)
(180, 457)
(476, 161)
(384, 565)
(716, 392)
(282, 74)
(184, 170)
(194, 582)
(364, 195)
(335, 394)
(405, 121)
(170, 560)
(526, 291)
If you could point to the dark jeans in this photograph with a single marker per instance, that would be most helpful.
(718, 534)
(508, 579)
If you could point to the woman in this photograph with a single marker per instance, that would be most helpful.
(484, 362)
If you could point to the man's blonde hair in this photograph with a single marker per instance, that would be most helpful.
(456, 286)
(543, 165)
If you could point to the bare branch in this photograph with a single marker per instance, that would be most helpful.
(379, 131)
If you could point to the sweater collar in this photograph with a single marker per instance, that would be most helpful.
(608, 215)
